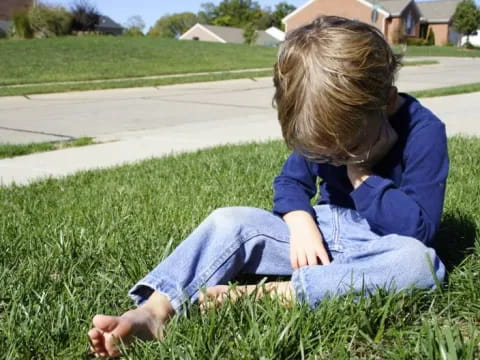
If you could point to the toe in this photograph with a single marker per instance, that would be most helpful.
(105, 323)
(96, 341)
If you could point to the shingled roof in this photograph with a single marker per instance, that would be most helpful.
(235, 35)
(394, 7)
(438, 11)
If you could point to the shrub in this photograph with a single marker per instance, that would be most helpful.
(48, 21)
(133, 31)
(431, 37)
(416, 42)
(22, 26)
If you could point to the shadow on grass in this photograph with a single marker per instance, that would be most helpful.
(455, 239)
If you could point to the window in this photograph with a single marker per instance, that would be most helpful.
(409, 24)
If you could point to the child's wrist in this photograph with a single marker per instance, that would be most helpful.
(357, 175)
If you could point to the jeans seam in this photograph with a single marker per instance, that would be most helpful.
(228, 252)
(335, 228)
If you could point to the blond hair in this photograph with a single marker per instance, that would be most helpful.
(331, 78)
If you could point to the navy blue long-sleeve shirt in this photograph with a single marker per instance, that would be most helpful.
(404, 196)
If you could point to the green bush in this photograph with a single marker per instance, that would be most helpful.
(48, 21)
(22, 26)
(431, 38)
(133, 31)
(416, 42)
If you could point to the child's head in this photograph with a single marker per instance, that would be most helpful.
(333, 81)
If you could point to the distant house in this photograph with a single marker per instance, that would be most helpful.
(437, 16)
(392, 17)
(225, 34)
(10, 7)
(4, 26)
(109, 27)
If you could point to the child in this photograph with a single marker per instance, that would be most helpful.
(382, 160)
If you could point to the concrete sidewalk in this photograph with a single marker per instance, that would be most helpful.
(459, 112)
(140, 123)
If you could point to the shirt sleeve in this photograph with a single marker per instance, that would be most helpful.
(295, 186)
(415, 207)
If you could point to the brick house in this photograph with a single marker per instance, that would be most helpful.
(437, 16)
(394, 18)
(9, 7)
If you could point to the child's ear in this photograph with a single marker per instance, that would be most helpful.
(392, 100)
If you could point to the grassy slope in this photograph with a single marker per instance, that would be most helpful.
(71, 248)
(87, 58)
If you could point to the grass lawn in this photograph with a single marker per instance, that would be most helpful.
(73, 247)
(11, 150)
(102, 57)
(440, 51)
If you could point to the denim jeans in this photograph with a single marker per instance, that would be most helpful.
(242, 240)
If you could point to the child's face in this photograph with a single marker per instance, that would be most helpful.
(363, 151)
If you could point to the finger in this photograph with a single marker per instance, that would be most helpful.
(293, 259)
(323, 256)
(302, 258)
(312, 258)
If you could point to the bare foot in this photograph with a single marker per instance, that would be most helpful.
(214, 296)
(111, 333)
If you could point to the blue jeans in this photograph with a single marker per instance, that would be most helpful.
(242, 240)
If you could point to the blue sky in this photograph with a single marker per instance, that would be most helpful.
(151, 10)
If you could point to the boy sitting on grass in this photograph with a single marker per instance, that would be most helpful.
(382, 160)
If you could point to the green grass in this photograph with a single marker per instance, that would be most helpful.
(439, 51)
(11, 150)
(44, 89)
(73, 247)
(450, 90)
(91, 58)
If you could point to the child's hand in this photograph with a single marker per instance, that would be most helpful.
(306, 242)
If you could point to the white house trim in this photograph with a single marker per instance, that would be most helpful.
(370, 5)
(198, 25)
(296, 11)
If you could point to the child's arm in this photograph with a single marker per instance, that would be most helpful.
(413, 208)
(294, 188)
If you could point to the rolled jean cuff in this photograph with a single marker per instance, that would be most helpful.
(299, 284)
(145, 288)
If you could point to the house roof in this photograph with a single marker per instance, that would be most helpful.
(276, 33)
(438, 11)
(394, 7)
(106, 22)
(235, 35)
(265, 38)
(229, 34)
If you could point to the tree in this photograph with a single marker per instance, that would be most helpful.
(235, 13)
(431, 37)
(49, 20)
(172, 26)
(281, 10)
(134, 26)
(466, 18)
(85, 16)
(250, 34)
(207, 14)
